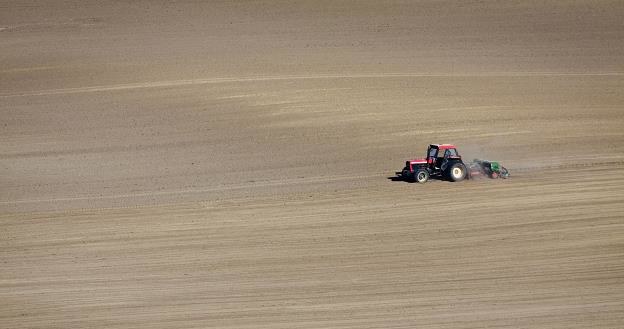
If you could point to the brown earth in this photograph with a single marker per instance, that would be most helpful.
(226, 164)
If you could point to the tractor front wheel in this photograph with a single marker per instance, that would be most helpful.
(457, 172)
(421, 176)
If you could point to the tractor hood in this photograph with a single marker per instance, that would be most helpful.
(418, 161)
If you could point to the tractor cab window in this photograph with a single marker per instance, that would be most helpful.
(450, 153)
(433, 152)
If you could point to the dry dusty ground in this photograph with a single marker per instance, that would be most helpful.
(226, 164)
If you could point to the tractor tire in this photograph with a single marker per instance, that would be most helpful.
(406, 175)
(421, 176)
(457, 172)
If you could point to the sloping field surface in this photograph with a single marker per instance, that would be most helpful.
(229, 164)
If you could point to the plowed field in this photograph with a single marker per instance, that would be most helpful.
(229, 164)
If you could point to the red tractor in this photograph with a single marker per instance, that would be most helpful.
(442, 161)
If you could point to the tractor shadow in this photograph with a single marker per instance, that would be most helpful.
(409, 181)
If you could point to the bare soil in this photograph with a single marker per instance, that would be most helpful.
(228, 164)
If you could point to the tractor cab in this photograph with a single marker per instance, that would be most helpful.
(438, 154)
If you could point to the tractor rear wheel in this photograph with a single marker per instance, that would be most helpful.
(457, 172)
(421, 176)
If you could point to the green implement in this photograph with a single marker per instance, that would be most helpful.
(487, 168)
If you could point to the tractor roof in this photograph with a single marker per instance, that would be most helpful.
(443, 146)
